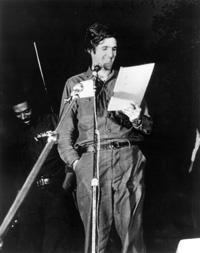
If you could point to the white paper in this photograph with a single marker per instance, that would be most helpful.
(130, 86)
(87, 89)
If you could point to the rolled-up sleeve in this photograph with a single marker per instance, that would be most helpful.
(145, 123)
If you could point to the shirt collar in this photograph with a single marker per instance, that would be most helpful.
(89, 74)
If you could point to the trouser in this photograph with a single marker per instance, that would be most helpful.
(120, 197)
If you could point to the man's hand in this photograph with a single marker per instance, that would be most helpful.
(132, 111)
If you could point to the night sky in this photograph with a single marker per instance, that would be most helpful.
(160, 31)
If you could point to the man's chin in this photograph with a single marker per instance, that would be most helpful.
(108, 66)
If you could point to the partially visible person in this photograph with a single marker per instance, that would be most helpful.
(46, 214)
(121, 162)
(194, 170)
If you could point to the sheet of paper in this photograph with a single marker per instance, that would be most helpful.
(88, 89)
(130, 86)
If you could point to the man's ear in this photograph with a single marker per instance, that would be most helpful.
(91, 51)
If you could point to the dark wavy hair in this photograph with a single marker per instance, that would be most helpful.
(96, 33)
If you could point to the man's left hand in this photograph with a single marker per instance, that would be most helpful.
(132, 111)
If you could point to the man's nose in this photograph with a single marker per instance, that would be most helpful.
(110, 53)
(23, 116)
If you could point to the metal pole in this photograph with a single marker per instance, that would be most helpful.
(41, 72)
(95, 179)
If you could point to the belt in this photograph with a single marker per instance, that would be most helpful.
(43, 181)
(107, 146)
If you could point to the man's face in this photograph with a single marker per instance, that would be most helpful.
(23, 112)
(105, 53)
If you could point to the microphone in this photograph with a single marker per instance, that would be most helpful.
(77, 89)
(95, 70)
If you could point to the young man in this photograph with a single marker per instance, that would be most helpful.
(121, 162)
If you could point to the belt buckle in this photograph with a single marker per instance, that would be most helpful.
(46, 181)
(114, 145)
(43, 181)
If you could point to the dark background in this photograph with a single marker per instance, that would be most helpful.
(160, 31)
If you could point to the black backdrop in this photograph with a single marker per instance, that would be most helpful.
(164, 32)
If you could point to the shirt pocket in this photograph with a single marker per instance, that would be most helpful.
(85, 113)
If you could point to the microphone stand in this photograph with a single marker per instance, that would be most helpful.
(95, 179)
(52, 139)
